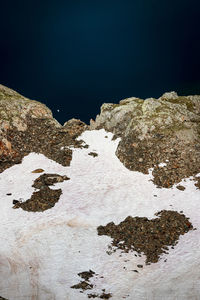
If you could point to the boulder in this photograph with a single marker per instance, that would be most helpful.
(160, 134)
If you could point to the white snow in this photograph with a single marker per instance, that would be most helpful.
(161, 165)
(41, 253)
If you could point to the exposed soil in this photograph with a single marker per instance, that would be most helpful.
(151, 237)
(45, 198)
(43, 137)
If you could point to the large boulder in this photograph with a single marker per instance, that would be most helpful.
(163, 134)
(28, 126)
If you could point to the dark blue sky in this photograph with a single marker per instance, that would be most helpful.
(75, 55)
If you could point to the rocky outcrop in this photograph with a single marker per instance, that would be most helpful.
(75, 127)
(14, 109)
(28, 126)
(163, 134)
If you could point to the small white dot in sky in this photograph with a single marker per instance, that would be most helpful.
(58, 110)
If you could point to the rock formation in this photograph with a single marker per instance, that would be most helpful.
(86, 228)
(163, 134)
(28, 126)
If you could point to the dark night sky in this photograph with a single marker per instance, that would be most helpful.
(75, 55)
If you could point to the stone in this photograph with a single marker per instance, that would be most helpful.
(154, 131)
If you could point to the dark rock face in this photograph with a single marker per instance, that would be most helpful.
(155, 131)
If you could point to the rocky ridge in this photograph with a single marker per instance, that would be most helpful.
(162, 134)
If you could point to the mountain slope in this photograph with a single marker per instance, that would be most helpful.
(42, 253)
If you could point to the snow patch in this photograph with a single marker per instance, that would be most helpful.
(41, 253)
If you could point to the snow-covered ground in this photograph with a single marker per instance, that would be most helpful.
(41, 253)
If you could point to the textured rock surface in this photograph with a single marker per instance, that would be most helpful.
(28, 126)
(163, 134)
(14, 108)
(155, 131)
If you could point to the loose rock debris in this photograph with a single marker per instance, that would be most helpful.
(43, 137)
(102, 296)
(94, 154)
(182, 158)
(86, 275)
(48, 179)
(151, 237)
(180, 187)
(86, 285)
(45, 198)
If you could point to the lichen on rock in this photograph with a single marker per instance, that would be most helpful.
(154, 131)
(14, 108)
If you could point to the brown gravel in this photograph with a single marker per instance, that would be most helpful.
(102, 296)
(42, 137)
(151, 237)
(45, 198)
(183, 158)
(48, 179)
(86, 285)
(86, 274)
(94, 154)
(41, 200)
